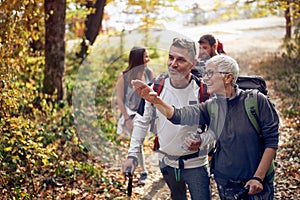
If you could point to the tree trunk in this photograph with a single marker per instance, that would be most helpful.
(55, 11)
(94, 21)
(288, 23)
(92, 25)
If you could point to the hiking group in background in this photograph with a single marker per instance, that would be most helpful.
(128, 101)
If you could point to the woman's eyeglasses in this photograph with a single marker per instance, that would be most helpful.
(211, 73)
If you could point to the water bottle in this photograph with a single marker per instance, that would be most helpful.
(192, 136)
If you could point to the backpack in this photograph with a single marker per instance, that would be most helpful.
(158, 85)
(220, 47)
(252, 82)
(132, 99)
(252, 85)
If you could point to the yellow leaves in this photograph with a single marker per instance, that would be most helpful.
(75, 140)
(45, 161)
(73, 192)
(8, 149)
(15, 159)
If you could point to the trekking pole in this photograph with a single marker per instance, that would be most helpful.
(130, 177)
(240, 195)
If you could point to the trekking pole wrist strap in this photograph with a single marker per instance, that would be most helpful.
(258, 179)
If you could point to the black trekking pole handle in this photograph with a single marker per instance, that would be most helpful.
(244, 191)
(130, 177)
(129, 187)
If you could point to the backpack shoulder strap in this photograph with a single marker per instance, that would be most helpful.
(213, 111)
(252, 110)
(203, 94)
(148, 74)
(125, 84)
(251, 107)
(213, 108)
(158, 83)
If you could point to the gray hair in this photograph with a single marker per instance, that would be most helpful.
(225, 63)
(186, 44)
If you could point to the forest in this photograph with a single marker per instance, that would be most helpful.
(57, 103)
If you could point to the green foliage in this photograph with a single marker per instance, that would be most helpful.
(77, 12)
(21, 33)
(275, 7)
(238, 9)
(39, 146)
(105, 94)
(149, 11)
(41, 152)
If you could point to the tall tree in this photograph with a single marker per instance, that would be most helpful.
(290, 8)
(94, 20)
(55, 14)
(288, 21)
(93, 24)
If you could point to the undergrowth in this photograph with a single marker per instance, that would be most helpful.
(283, 71)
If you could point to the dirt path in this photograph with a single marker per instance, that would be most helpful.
(248, 45)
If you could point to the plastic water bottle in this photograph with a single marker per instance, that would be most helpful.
(192, 136)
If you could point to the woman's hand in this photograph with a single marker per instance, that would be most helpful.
(255, 186)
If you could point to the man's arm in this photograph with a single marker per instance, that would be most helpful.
(141, 124)
(187, 115)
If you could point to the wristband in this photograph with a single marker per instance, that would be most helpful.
(135, 161)
(257, 178)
